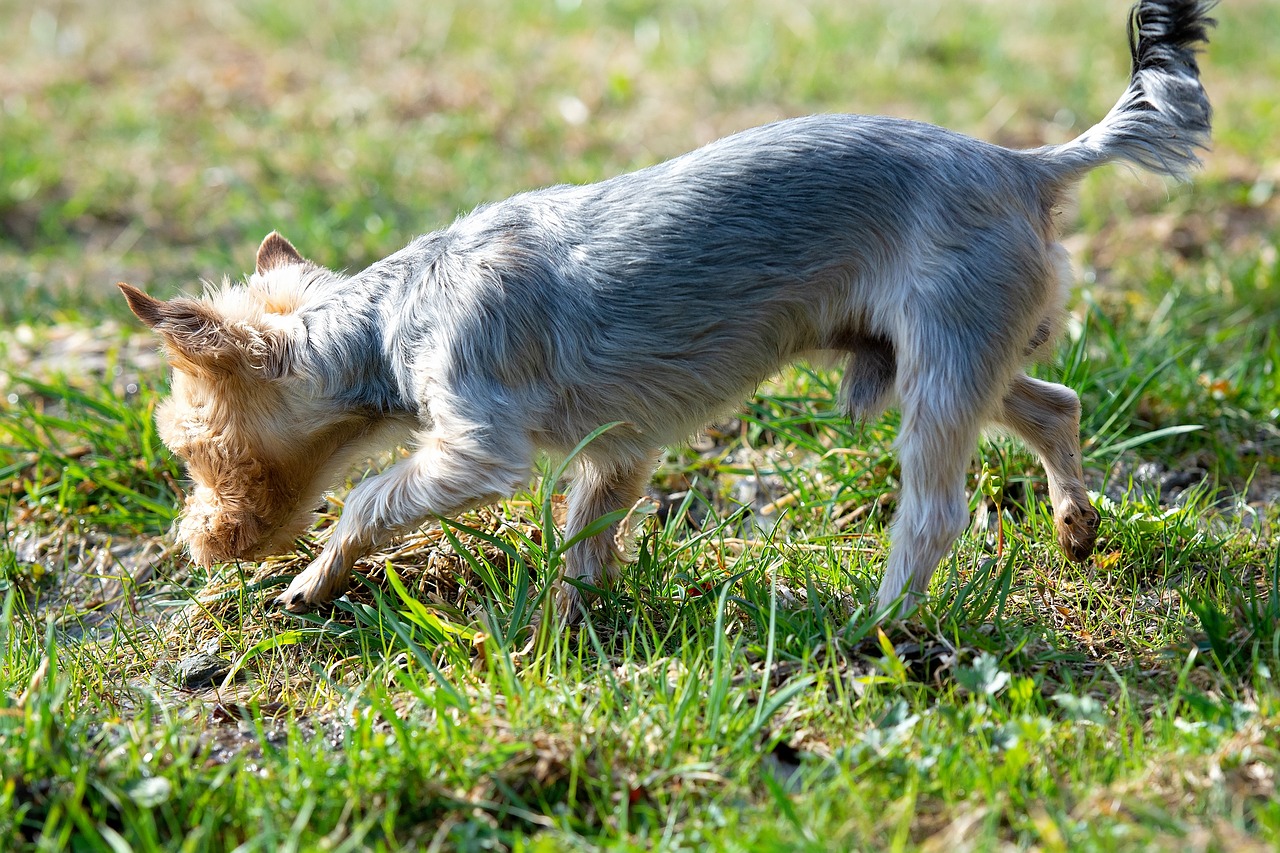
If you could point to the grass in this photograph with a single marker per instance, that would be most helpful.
(732, 691)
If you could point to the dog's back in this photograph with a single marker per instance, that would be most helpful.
(660, 296)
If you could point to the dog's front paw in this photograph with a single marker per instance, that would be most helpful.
(560, 608)
(1077, 526)
(319, 584)
(565, 604)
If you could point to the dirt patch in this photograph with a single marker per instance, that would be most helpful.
(88, 578)
(1242, 221)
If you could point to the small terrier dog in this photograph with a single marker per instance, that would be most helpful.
(926, 260)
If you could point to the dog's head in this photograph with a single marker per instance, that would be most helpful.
(258, 439)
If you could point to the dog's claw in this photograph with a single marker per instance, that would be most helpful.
(284, 601)
(294, 602)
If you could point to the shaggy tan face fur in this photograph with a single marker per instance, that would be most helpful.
(237, 414)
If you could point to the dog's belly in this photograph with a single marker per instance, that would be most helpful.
(662, 395)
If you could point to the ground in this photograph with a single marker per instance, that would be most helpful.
(732, 690)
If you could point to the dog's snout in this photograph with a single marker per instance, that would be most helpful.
(215, 532)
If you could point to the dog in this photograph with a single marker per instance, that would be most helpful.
(927, 261)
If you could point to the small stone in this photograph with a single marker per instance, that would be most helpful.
(200, 670)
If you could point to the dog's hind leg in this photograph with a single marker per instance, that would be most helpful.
(598, 487)
(953, 368)
(1047, 417)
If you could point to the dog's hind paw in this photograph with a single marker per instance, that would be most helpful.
(1077, 525)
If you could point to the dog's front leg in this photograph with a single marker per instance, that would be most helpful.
(436, 480)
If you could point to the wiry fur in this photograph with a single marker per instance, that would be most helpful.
(926, 260)
(1163, 117)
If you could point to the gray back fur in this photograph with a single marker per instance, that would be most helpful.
(660, 296)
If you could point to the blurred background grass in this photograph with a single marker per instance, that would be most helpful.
(158, 141)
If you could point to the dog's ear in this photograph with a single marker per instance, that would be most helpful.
(192, 331)
(146, 308)
(276, 251)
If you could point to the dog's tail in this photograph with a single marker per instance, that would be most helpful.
(1164, 115)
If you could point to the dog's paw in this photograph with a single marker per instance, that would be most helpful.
(560, 609)
(294, 602)
(566, 604)
(316, 586)
(1077, 526)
